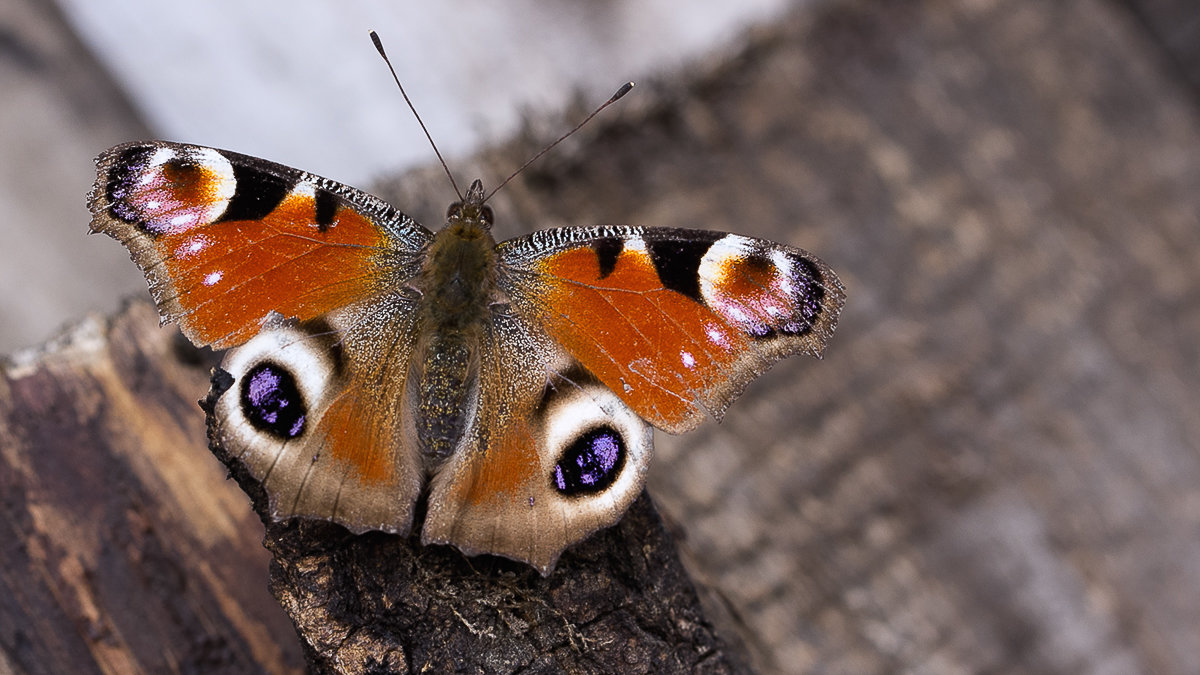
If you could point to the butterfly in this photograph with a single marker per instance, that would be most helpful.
(509, 386)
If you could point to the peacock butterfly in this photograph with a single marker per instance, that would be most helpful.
(511, 385)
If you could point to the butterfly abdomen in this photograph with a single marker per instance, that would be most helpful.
(457, 284)
(445, 380)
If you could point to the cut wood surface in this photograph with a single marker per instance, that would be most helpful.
(125, 549)
(994, 469)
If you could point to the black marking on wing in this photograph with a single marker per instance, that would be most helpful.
(810, 296)
(677, 261)
(257, 192)
(607, 251)
(272, 402)
(122, 182)
(327, 204)
(591, 464)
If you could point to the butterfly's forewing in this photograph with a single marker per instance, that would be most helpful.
(675, 322)
(310, 277)
(224, 239)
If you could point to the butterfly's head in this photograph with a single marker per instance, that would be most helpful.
(472, 209)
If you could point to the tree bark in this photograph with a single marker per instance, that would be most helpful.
(993, 470)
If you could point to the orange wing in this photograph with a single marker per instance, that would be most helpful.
(675, 322)
(224, 239)
(552, 454)
(307, 277)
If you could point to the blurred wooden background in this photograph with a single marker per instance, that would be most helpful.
(995, 469)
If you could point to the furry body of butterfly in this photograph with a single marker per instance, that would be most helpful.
(458, 286)
(512, 385)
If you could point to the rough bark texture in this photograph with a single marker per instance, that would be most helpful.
(995, 469)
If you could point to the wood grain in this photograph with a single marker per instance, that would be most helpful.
(125, 548)
(994, 469)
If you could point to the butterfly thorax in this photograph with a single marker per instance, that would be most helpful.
(457, 283)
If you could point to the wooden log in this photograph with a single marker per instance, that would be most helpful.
(125, 550)
(993, 470)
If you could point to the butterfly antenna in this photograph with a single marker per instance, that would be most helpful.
(613, 99)
(379, 47)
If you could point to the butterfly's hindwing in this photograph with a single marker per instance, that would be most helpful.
(317, 415)
(553, 455)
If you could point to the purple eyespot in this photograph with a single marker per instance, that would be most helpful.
(272, 402)
(591, 464)
(164, 189)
